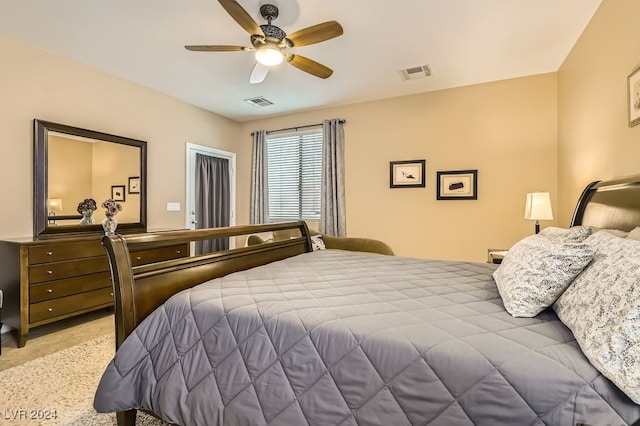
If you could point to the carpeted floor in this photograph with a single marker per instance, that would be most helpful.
(62, 383)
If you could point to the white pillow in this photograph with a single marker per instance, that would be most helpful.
(575, 233)
(602, 308)
(616, 232)
(634, 234)
(535, 272)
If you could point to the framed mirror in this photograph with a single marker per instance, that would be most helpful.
(76, 170)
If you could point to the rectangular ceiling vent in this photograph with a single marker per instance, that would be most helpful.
(415, 73)
(259, 102)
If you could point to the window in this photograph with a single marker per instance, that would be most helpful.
(294, 173)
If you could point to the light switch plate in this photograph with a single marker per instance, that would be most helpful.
(173, 207)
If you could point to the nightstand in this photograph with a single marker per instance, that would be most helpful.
(495, 255)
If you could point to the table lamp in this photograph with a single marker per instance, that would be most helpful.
(538, 207)
(55, 205)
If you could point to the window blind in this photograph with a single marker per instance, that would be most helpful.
(294, 173)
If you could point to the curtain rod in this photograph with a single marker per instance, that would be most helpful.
(342, 121)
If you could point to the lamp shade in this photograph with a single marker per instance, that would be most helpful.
(538, 206)
(55, 204)
(269, 56)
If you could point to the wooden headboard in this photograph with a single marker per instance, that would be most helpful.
(611, 204)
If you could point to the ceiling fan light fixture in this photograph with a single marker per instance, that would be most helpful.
(269, 56)
(270, 42)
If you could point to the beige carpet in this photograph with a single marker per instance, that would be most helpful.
(64, 382)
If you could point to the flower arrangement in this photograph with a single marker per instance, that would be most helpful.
(111, 207)
(87, 205)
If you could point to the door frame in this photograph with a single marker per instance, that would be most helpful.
(192, 150)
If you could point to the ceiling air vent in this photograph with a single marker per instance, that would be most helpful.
(259, 102)
(415, 73)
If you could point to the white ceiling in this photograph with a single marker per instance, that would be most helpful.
(463, 41)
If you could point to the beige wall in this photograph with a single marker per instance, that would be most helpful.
(595, 141)
(506, 130)
(553, 132)
(39, 84)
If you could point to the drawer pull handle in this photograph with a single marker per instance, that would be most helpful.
(178, 251)
(50, 272)
(49, 290)
(139, 258)
(111, 294)
(49, 253)
(50, 309)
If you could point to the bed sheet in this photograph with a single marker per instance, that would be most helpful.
(344, 338)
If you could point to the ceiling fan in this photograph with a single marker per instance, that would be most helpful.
(270, 42)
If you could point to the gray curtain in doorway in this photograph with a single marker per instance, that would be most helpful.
(259, 192)
(212, 199)
(333, 217)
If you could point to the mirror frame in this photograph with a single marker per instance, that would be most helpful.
(41, 178)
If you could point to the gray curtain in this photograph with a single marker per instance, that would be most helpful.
(212, 199)
(259, 192)
(333, 219)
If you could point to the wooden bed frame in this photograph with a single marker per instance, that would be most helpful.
(139, 290)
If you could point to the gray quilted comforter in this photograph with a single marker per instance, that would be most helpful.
(342, 338)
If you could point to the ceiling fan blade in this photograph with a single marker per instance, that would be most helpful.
(258, 73)
(241, 16)
(310, 66)
(216, 48)
(315, 34)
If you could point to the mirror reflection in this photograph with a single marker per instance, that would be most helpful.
(76, 170)
(99, 170)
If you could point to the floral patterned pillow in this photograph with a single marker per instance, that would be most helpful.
(317, 243)
(602, 308)
(575, 234)
(535, 272)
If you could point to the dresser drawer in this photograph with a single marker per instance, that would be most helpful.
(66, 251)
(142, 257)
(65, 305)
(65, 287)
(67, 269)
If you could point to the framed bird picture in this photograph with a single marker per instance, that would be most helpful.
(407, 174)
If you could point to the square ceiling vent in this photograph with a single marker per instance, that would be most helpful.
(415, 73)
(259, 101)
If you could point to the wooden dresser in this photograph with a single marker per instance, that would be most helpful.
(49, 279)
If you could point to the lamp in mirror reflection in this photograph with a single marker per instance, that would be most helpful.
(538, 207)
(54, 205)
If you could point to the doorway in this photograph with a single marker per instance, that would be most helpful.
(222, 194)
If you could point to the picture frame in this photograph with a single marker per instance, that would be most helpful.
(407, 174)
(457, 185)
(633, 97)
(118, 192)
(134, 185)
